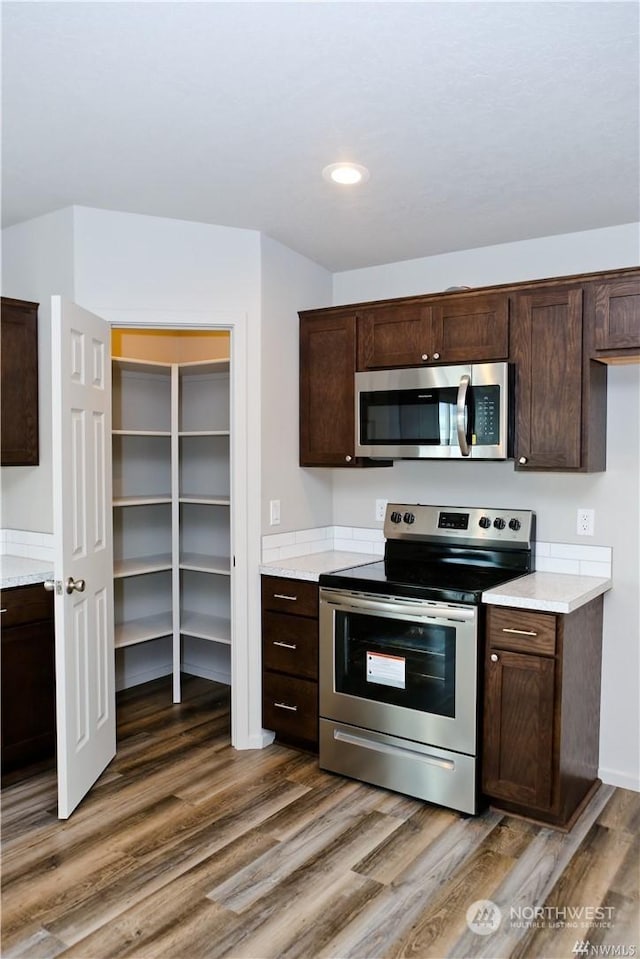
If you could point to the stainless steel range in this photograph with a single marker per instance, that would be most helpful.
(400, 650)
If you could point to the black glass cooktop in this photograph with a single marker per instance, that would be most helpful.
(442, 580)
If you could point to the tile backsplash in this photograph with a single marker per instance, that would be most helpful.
(549, 557)
(20, 542)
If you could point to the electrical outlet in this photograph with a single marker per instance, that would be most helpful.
(585, 522)
(274, 512)
(381, 506)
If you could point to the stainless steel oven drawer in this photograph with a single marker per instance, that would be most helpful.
(415, 769)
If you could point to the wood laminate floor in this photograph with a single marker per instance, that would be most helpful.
(186, 848)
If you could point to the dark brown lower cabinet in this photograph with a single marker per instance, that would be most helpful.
(28, 677)
(290, 660)
(542, 711)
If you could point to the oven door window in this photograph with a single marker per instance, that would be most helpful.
(402, 662)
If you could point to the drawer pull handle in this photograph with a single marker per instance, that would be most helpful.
(285, 645)
(520, 632)
(2, 610)
(292, 709)
(291, 599)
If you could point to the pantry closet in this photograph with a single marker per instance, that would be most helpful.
(171, 504)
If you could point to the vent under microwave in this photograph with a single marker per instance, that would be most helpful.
(437, 412)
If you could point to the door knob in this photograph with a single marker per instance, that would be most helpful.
(71, 584)
(50, 585)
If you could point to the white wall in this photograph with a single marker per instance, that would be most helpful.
(37, 260)
(290, 282)
(588, 252)
(614, 494)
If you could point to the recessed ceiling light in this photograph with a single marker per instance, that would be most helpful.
(346, 174)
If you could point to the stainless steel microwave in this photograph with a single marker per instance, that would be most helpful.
(435, 412)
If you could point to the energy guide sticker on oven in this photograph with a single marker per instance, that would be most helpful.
(385, 670)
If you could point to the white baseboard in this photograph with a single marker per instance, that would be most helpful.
(144, 676)
(216, 675)
(613, 777)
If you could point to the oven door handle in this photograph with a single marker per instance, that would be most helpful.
(417, 609)
(392, 750)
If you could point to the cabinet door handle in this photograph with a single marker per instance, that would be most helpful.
(285, 645)
(519, 632)
(348, 458)
(494, 657)
(523, 460)
(293, 709)
(291, 599)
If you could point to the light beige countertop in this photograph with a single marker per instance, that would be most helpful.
(23, 571)
(547, 592)
(312, 565)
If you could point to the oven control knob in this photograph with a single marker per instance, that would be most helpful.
(484, 522)
(515, 525)
(395, 517)
(409, 518)
(499, 523)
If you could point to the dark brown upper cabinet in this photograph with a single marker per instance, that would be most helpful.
(327, 397)
(19, 383)
(617, 320)
(560, 393)
(459, 329)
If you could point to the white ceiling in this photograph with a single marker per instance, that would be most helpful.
(480, 123)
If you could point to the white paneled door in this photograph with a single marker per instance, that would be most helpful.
(85, 668)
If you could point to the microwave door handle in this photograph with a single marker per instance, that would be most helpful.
(460, 411)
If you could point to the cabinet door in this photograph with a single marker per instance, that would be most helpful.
(28, 676)
(518, 764)
(546, 347)
(28, 692)
(19, 350)
(398, 335)
(472, 329)
(327, 390)
(617, 315)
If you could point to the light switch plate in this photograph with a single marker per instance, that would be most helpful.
(274, 512)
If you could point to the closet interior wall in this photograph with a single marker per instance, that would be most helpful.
(171, 507)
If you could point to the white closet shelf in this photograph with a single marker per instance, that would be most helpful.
(186, 433)
(141, 500)
(138, 366)
(206, 499)
(206, 564)
(166, 433)
(141, 565)
(213, 628)
(204, 366)
(142, 630)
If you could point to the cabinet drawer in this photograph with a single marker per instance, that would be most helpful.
(296, 596)
(290, 644)
(26, 604)
(522, 631)
(290, 707)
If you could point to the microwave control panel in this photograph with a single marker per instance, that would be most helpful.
(486, 415)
